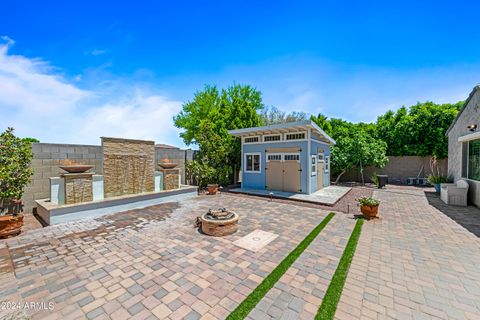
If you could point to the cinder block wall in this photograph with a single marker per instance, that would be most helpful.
(399, 169)
(47, 158)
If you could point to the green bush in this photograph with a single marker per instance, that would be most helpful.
(374, 179)
(434, 179)
(15, 171)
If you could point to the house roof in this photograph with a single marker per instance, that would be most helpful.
(165, 146)
(283, 127)
(477, 87)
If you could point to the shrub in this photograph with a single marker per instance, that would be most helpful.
(374, 179)
(15, 171)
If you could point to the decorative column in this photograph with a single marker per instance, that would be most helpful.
(78, 187)
(170, 178)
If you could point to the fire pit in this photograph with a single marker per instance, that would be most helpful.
(219, 222)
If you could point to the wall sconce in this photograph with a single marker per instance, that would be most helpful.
(472, 127)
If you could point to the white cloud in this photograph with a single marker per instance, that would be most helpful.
(39, 102)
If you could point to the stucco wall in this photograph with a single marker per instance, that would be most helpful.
(470, 115)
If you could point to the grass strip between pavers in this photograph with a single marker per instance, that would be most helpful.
(261, 290)
(334, 291)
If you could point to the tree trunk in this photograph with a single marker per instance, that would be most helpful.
(361, 171)
(339, 176)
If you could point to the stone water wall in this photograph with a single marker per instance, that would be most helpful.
(48, 156)
(128, 166)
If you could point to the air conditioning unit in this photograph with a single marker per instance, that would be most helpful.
(412, 181)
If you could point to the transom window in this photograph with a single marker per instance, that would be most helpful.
(314, 165)
(252, 162)
(251, 139)
(274, 137)
(321, 157)
(274, 157)
(292, 157)
(295, 136)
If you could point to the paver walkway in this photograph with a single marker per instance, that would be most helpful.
(149, 263)
(299, 292)
(412, 263)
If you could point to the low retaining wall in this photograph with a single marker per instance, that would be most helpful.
(399, 169)
(48, 156)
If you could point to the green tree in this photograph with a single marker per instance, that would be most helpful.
(357, 151)
(205, 122)
(273, 115)
(323, 122)
(15, 171)
(419, 130)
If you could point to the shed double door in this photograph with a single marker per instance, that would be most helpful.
(283, 172)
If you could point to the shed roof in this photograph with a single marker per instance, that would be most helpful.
(281, 128)
(470, 96)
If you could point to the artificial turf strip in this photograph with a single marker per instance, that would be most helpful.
(334, 291)
(261, 290)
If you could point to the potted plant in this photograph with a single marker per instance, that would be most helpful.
(212, 188)
(435, 180)
(15, 172)
(369, 207)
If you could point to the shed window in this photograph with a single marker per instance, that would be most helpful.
(275, 137)
(314, 165)
(274, 157)
(295, 136)
(292, 157)
(252, 162)
(251, 139)
(327, 164)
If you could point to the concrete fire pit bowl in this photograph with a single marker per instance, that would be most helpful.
(219, 222)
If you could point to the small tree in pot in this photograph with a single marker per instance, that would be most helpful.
(369, 207)
(15, 173)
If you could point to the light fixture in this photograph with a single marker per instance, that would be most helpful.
(472, 127)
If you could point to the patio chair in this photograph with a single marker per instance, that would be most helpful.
(454, 194)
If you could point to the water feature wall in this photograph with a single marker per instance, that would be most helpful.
(128, 166)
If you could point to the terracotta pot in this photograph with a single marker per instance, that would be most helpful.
(10, 225)
(369, 212)
(212, 188)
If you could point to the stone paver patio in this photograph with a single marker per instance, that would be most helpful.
(413, 263)
(150, 263)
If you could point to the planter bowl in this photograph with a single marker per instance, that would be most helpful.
(369, 212)
(78, 168)
(167, 165)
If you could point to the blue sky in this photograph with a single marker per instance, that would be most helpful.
(74, 72)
